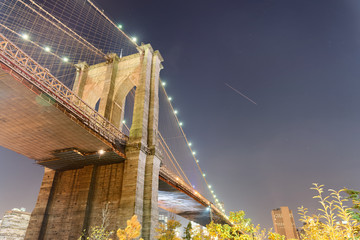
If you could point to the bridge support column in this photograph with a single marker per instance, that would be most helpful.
(131, 202)
(142, 166)
(38, 216)
(72, 200)
(64, 205)
(151, 212)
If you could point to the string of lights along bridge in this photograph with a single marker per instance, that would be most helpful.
(59, 34)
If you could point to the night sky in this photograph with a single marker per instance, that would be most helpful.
(299, 60)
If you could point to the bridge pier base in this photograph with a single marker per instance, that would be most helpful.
(151, 211)
(140, 190)
(71, 202)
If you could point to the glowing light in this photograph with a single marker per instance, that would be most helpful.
(177, 179)
(169, 98)
(209, 186)
(180, 123)
(212, 191)
(123, 121)
(194, 153)
(65, 59)
(176, 111)
(163, 83)
(189, 143)
(47, 49)
(197, 161)
(134, 39)
(101, 152)
(204, 174)
(25, 36)
(120, 26)
(208, 208)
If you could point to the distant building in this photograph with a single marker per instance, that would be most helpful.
(14, 224)
(284, 223)
(163, 218)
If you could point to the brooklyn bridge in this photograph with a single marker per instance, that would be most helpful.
(87, 103)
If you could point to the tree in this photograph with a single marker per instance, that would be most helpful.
(132, 230)
(199, 234)
(241, 228)
(276, 236)
(354, 196)
(168, 231)
(335, 221)
(105, 216)
(188, 232)
(99, 232)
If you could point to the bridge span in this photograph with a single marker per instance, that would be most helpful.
(88, 161)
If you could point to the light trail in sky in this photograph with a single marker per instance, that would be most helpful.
(243, 95)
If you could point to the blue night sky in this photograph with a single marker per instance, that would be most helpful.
(297, 59)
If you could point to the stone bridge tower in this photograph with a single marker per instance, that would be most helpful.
(73, 200)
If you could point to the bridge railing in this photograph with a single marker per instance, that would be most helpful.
(49, 84)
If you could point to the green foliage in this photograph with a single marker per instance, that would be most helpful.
(335, 221)
(276, 236)
(241, 229)
(355, 198)
(188, 232)
(199, 234)
(132, 231)
(168, 231)
(97, 233)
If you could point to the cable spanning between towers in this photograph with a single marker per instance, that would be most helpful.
(58, 24)
(76, 31)
(189, 144)
(58, 37)
(133, 40)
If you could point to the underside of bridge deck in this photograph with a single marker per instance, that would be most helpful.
(31, 118)
(179, 203)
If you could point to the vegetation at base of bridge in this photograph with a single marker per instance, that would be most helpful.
(132, 231)
(335, 221)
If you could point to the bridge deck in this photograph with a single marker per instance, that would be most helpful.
(31, 118)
